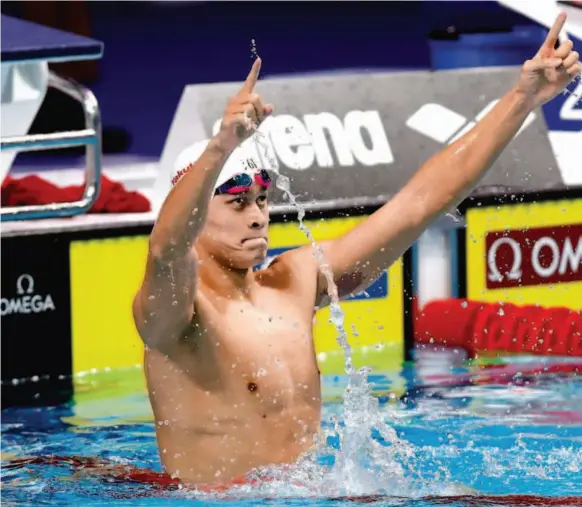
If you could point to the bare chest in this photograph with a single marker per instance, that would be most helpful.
(263, 348)
(242, 366)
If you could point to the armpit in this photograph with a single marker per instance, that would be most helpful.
(348, 283)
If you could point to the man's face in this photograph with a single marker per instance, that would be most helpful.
(236, 228)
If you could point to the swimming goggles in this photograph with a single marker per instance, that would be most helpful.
(243, 182)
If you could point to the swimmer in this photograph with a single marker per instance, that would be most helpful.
(229, 356)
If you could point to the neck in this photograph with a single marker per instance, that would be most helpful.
(225, 280)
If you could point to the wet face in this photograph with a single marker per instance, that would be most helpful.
(236, 228)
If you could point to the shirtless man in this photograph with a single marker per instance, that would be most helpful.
(230, 364)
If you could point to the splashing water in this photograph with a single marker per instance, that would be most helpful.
(363, 464)
(283, 183)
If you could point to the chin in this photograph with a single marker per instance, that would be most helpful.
(261, 258)
(249, 261)
(258, 259)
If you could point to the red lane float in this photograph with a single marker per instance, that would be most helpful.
(500, 327)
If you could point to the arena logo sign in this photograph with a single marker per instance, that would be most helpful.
(323, 139)
(27, 301)
(534, 257)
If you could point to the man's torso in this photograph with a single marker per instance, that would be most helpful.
(242, 388)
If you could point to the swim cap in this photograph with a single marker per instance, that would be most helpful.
(243, 159)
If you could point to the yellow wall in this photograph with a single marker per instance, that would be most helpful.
(105, 275)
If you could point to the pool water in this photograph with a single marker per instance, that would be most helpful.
(439, 431)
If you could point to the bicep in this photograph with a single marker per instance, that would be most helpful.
(164, 304)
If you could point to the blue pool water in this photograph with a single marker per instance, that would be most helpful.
(442, 429)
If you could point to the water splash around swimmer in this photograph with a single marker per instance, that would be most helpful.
(283, 183)
(362, 464)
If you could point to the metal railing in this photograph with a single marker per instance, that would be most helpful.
(89, 137)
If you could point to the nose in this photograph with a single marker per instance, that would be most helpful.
(258, 223)
(258, 220)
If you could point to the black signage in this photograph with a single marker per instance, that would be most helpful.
(36, 317)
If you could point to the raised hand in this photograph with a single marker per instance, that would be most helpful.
(244, 112)
(550, 71)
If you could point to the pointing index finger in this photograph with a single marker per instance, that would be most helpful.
(554, 32)
(253, 77)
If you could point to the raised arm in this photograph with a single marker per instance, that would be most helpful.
(164, 304)
(358, 258)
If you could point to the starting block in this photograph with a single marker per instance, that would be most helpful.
(27, 49)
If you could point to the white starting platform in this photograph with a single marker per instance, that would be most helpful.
(27, 49)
